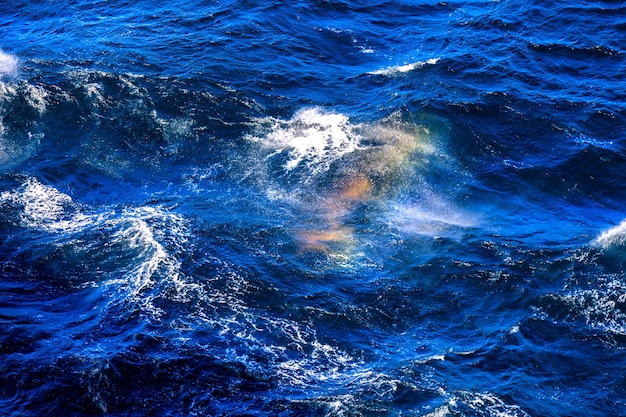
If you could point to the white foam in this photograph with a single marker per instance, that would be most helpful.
(315, 362)
(443, 411)
(362, 163)
(291, 352)
(129, 252)
(8, 64)
(45, 208)
(151, 239)
(429, 359)
(137, 235)
(486, 404)
(312, 136)
(400, 69)
(177, 132)
(314, 140)
(600, 307)
(613, 236)
(33, 95)
(36, 98)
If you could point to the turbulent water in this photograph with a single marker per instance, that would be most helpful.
(312, 208)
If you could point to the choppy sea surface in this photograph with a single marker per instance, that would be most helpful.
(313, 208)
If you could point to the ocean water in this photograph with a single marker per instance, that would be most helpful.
(313, 208)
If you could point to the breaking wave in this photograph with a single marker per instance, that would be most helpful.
(8, 65)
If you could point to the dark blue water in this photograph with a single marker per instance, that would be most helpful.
(312, 208)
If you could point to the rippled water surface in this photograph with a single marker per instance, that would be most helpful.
(312, 208)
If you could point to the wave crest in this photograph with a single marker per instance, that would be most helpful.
(8, 65)
(613, 236)
(401, 69)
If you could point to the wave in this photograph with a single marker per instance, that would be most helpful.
(38, 206)
(601, 308)
(611, 237)
(593, 301)
(9, 65)
(22, 106)
(119, 122)
(401, 69)
(131, 251)
(171, 214)
(130, 260)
